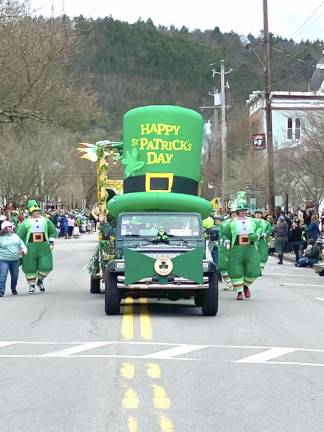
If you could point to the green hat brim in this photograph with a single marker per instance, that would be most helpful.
(159, 201)
(32, 209)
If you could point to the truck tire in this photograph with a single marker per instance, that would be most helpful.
(112, 294)
(209, 304)
(95, 285)
(198, 299)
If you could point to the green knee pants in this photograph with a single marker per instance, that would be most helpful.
(243, 265)
(39, 260)
(223, 254)
(263, 251)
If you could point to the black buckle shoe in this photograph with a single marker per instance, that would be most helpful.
(40, 285)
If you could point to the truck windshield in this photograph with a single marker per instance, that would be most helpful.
(147, 225)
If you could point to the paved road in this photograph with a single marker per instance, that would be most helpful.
(257, 367)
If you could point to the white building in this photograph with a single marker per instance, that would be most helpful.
(291, 111)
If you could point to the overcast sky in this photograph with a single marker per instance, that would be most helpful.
(288, 18)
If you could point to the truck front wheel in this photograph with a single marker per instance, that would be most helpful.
(112, 294)
(209, 304)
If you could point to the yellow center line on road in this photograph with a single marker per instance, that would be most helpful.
(166, 424)
(128, 319)
(127, 371)
(153, 370)
(132, 424)
(131, 399)
(160, 400)
(145, 320)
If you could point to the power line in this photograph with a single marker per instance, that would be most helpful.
(241, 11)
(313, 22)
(293, 57)
(258, 12)
(291, 76)
(307, 19)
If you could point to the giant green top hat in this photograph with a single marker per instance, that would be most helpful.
(32, 206)
(162, 161)
(241, 203)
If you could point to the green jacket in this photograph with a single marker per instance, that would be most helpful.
(266, 227)
(24, 230)
(230, 230)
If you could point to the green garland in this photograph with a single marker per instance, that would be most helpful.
(105, 252)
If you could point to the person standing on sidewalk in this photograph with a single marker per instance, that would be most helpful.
(12, 248)
(281, 237)
(71, 225)
(313, 231)
(296, 239)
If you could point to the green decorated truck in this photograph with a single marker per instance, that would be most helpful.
(159, 245)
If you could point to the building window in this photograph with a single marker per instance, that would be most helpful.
(289, 128)
(297, 128)
(293, 128)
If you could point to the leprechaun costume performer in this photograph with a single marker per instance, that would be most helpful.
(262, 244)
(242, 235)
(38, 233)
(224, 250)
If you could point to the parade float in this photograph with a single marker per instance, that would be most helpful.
(157, 246)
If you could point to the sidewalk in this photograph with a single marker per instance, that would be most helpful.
(289, 256)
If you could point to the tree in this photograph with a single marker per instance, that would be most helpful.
(300, 169)
(43, 105)
(34, 79)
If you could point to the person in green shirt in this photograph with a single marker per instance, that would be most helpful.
(11, 250)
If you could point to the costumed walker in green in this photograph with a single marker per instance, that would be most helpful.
(243, 261)
(38, 233)
(223, 253)
(262, 244)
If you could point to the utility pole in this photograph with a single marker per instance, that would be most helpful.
(223, 130)
(215, 149)
(270, 158)
(222, 74)
(217, 103)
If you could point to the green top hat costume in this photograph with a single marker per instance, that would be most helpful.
(37, 233)
(161, 158)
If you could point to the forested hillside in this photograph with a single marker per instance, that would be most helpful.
(135, 64)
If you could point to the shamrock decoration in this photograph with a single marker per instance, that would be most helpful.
(162, 236)
(132, 163)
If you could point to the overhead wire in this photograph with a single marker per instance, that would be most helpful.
(294, 58)
(239, 12)
(313, 22)
(291, 76)
(307, 19)
(254, 21)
